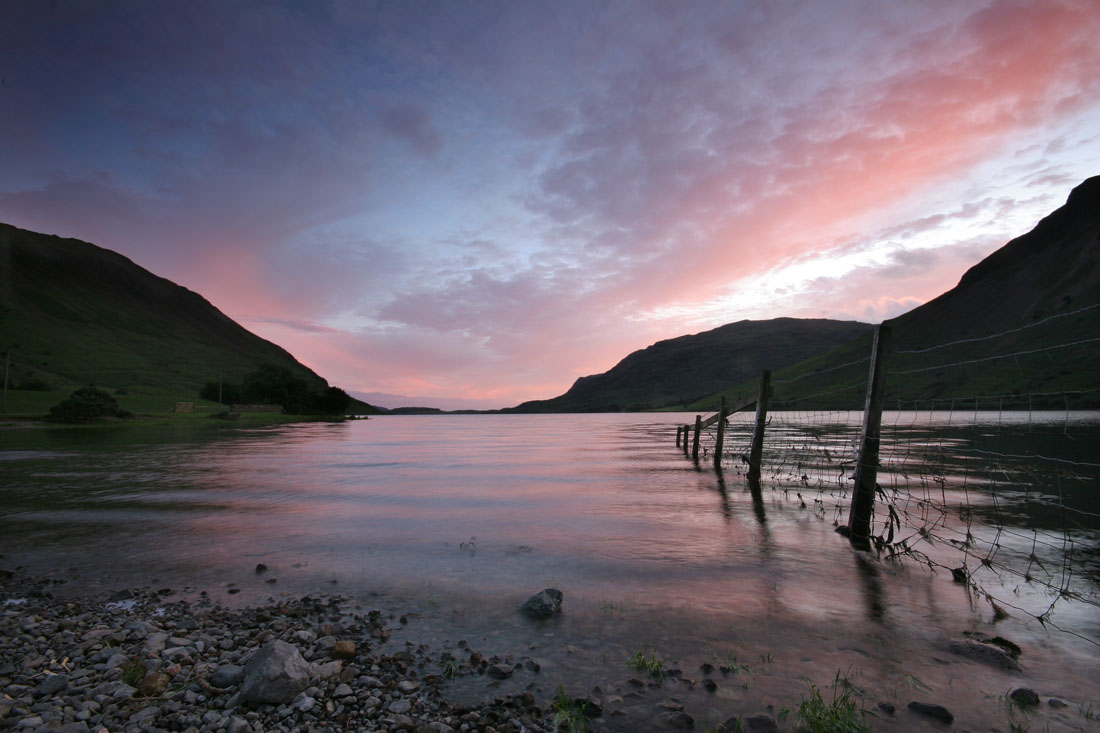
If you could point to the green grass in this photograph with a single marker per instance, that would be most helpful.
(568, 713)
(841, 714)
(649, 663)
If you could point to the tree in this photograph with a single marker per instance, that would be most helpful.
(85, 405)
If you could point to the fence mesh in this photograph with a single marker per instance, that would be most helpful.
(1000, 487)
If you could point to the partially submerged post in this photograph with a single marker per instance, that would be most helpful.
(687, 430)
(757, 447)
(678, 429)
(718, 441)
(695, 441)
(863, 498)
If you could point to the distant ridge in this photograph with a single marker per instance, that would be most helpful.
(73, 313)
(680, 370)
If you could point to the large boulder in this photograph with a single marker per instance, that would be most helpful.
(543, 604)
(275, 675)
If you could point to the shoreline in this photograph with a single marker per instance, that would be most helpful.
(144, 661)
(74, 659)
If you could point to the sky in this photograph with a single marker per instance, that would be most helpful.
(472, 204)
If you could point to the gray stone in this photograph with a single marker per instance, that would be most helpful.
(676, 719)
(408, 686)
(500, 671)
(342, 690)
(984, 652)
(226, 676)
(116, 660)
(759, 723)
(543, 604)
(400, 706)
(52, 685)
(238, 725)
(931, 710)
(1024, 697)
(275, 675)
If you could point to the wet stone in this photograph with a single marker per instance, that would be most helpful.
(1024, 697)
(931, 710)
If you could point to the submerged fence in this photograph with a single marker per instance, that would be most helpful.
(997, 487)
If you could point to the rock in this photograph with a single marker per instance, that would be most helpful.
(305, 704)
(710, 685)
(676, 719)
(326, 671)
(887, 707)
(400, 706)
(52, 685)
(759, 723)
(1056, 703)
(1024, 697)
(984, 652)
(543, 604)
(343, 650)
(153, 685)
(260, 568)
(500, 671)
(225, 676)
(931, 710)
(238, 725)
(342, 690)
(408, 686)
(275, 675)
(116, 660)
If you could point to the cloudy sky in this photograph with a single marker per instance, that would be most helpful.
(474, 203)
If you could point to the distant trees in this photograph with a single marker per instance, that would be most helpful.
(272, 385)
(86, 405)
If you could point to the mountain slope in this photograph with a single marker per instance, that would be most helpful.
(679, 370)
(1026, 319)
(72, 313)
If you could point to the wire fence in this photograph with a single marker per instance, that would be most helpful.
(997, 483)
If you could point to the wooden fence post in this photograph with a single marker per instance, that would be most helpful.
(863, 497)
(687, 430)
(720, 439)
(678, 429)
(757, 448)
(695, 441)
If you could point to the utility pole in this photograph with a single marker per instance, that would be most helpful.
(7, 363)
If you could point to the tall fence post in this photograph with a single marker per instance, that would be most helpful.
(863, 498)
(678, 429)
(721, 437)
(687, 430)
(757, 447)
(695, 441)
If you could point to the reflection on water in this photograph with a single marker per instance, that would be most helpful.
(467, 515)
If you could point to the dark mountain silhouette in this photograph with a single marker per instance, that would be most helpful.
(680, 370)
(1026, 320)
(73, 313)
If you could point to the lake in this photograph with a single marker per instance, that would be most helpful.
(452, 521)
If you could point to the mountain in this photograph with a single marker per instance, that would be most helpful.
(1021, 330)
(72, 313)
(680, 370)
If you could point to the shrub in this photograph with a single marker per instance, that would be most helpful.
(85, 405)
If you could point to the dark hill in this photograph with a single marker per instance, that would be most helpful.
(72, 313)
(680, 370)
(1021, 330)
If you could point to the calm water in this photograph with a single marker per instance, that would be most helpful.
(460, 518)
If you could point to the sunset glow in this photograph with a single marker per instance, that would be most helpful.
(471, 204)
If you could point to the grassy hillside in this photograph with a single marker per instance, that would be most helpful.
(1027, 323)
(680, 370)
(72, 313)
